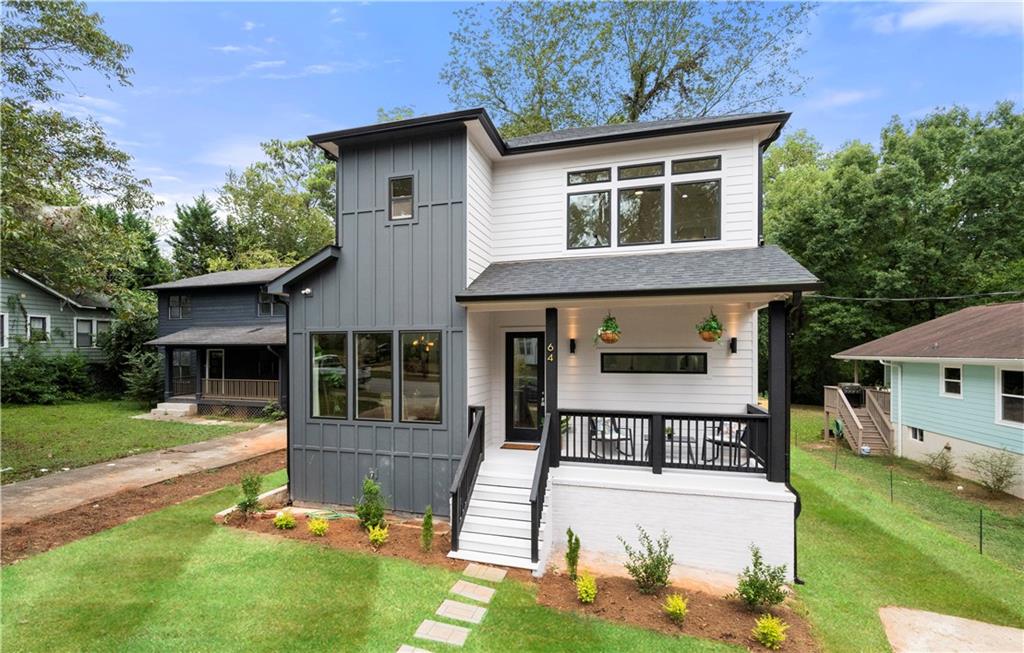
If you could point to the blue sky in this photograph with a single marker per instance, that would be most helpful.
(213, 80)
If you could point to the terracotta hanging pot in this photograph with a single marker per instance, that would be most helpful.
(608, 337)
(710, 336)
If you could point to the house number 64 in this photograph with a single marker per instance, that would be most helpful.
(551, 353)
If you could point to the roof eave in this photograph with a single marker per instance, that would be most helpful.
(465, 298)
(328, 254)
(970, 360)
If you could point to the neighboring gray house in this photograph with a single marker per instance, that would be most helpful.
(223, 342)
(31, 310)
(445, 343)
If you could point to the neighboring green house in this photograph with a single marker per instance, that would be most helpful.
(30, 310)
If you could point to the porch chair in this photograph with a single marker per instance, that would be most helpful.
(736, 443)
(601, 435)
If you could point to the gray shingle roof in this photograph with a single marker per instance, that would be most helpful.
(228, 278)
(271, 334)
(751, 269)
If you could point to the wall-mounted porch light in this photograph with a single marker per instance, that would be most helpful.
(307, 292)
(572, 346)
(732, 345)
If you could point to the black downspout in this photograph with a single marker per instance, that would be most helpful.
(288, 408)
(761, 147)
(797, 299)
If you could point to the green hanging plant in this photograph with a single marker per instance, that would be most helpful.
(609, 332)
(710, 328)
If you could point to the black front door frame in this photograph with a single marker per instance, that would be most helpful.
(511, 432)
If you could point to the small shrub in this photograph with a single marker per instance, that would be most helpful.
(586, 588)
(761, 585)
(770, 631)
(318, 526)
(272, 411)
(370, 508)
(427, 530)
(143, 378)
(572, 553)
(34, 376)
(251, 485)
(378, 535)
(651, 565)
(997, 470)
(942, 463)
(284, 520)
(675, 607)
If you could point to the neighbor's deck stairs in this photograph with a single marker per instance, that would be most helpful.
(496, 529)
(870, 434)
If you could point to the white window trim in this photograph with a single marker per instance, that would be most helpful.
(942, 381)
(999, 396)
(28, 324)
(7, 331)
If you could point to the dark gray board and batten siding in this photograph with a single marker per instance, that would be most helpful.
(398, 276)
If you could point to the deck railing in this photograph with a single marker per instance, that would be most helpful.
(836, 403)
(465, 475)
(241, 388)
(878, 404)
(184, 385)
(539, 487)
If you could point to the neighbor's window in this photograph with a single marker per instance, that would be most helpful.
(179, 307)
(654, 363)
(696, 211)
(267, 307)
(590, 176)
(590, 219)
(84, 334)
(373, 383)
(3, 330)
(642, 171)
(400, 198)
(330, 375)
(641, 215)
(916, 434)
(1011, 396)
(102, 326)
(38, 328)
(952, 381)
(421, 376)
(703, 164)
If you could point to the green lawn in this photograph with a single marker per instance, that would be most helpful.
(859, 552)
(80, 433)
(174, 581)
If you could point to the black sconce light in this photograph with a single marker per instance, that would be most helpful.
(572, 346)
(732, 345)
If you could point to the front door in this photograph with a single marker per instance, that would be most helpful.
(524, 386)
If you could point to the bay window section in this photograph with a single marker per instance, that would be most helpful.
(696, 211)
(590, 219)
(374, 375)
(641, 215)
(421, 376)
(330, 375)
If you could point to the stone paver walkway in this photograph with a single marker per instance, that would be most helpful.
(405, 648)
(47, 495)
(473, 591)
(483, 572)
(460, 611)
(444, 633)
(451, 634)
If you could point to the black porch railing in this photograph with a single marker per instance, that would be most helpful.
(731, 443)
(465, 475)
(539, 487)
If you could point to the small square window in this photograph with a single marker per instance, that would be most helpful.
(952, 383)
(400, 199)
(642, 171)
(38, 328)
(703, 164)
(916, 434)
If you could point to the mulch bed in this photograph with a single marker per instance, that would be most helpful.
(28, 539)
(709, 617)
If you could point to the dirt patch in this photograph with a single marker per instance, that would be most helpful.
(709, 617)
(38, 535)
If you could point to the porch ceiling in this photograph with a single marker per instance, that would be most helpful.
(270, 334)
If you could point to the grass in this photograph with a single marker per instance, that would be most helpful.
(174, 581)
(859, 552)
(81, 433)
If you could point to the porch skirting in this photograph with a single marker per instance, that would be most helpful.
(712, 517)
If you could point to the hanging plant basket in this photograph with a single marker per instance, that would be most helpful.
(608, 337)
(609, 332)
(710, 328)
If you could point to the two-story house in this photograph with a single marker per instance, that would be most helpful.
(446, 343)
(223, 339)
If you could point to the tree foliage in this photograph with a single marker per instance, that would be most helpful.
(539, 66)
(401, 112)
(934, 212)
(199, 238)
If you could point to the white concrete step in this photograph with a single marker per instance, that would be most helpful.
(497, 526)
(501, 493)
(484, 508)
(175, 409)
(491, 559)
(495, 544)
(504, 479)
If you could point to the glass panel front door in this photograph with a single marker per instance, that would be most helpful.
(524, 386)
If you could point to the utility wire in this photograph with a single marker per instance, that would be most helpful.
(914, 299)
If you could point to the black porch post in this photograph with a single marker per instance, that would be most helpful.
(778, 390)
(551, 382)
(199, 371)
(168, 372)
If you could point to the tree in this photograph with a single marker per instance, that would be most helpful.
(148, 266)
(136, 324)
(540, 66)
(401, 112)
(199, 238)
(934, 213)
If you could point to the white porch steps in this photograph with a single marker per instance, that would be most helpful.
(496, 529)
(174, 409)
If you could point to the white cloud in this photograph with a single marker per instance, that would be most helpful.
(335, 16)
(842, 98)
(232, 49)
(249, 26)
(972, 17)
(260, 65)
(235, 154)
(321, 69)
(97, 103)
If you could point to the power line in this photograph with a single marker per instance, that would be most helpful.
(914, 299)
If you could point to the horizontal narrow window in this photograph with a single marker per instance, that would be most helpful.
(590, 219)
(951, 381)
(400, 198)
(421, 376)
(654, 363)
(590, 176)
(696, 211)
(641, 215)
(373, 383)
(641, 171)
(1011, 396)
(330, 375)
(703, 164)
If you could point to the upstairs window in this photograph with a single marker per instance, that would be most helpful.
(590, 219)
(400, 198)
(696, 211)
(641, 215)
(1011, 396)
(267, 307)
(642, 171)
(37, 328)
(179, 307)
(952, 381)
(590, 176)
(703, 164)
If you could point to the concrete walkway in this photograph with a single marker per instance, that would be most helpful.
(47, 495)
(918, 631)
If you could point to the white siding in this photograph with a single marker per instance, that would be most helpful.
(528, 203)
(478, 361)
(478, 211)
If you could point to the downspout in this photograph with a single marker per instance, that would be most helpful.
(288, 411)
(798, 507)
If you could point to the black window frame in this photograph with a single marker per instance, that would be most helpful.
(672, 212)
(916, 434)
(619, 169)
(717, 168)
(1003, 394)
(184, 301)
(618, 215)
(570, 182)
(355, 366)
(401, 376)
(702, 354)
(348, 374)
(413, 213)
(568, 225)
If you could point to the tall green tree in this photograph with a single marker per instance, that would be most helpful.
(147, 266)
(538, 66)
(199, 238)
